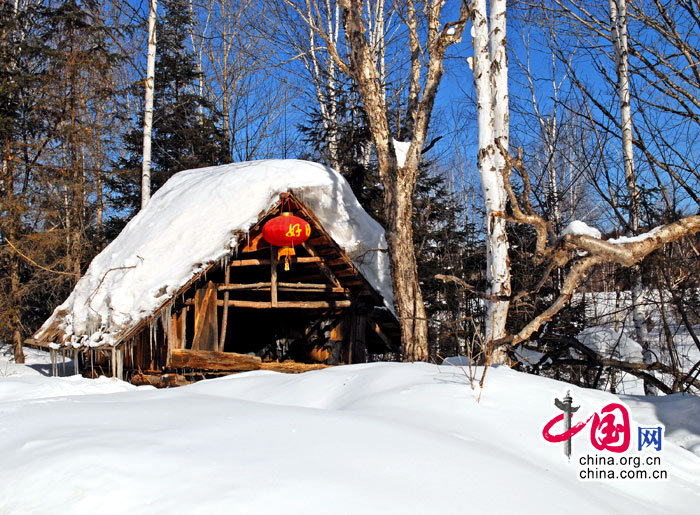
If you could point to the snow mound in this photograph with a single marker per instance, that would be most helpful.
(194, 220)
(401, 149)
(378, 438)
(456, 361)
(25, 387)
(579, 228)
(610, 343)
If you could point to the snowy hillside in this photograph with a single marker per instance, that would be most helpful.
(379, 438)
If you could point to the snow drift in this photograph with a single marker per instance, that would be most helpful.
(378, 438)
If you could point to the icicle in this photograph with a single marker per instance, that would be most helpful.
(166, 319)
(151, 334)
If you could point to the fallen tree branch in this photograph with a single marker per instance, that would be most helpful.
(582, 251)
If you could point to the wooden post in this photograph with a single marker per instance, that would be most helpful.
(63, 357)
(360, 343)
(183, 320)
(224, 316)
(273, 275)
(114, 362)
(76, 362)
(120, 363)
(53, 362)
(206, 324)
(350, 321)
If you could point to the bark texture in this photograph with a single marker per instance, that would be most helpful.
(148, 112)
(490, 68)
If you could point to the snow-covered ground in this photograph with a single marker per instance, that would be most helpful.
(377, 438)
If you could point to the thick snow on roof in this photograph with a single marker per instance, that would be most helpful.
(192, 221)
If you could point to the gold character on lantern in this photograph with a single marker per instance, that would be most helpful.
(294, 231)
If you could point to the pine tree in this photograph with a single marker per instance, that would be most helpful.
(446, 244)
(354, 143)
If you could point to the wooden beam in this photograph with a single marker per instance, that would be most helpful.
(345, 272)
(212, 360)
(310, 304)
(258, 262)
(324, 268)
(291, 367)
(120, 363)
(205, 319)
(381, 334)
(282, 286)
(254, 244)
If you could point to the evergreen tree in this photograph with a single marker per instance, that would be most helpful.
(185, 134)
(447, 243)
(354, 149)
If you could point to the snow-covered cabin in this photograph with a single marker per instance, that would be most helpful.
(190, 288)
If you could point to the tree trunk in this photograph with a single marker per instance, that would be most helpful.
(490, 79)
(398, 183)
(15, 295)
(148, 113)
(16, 319)
(408, 298)
(618, 26)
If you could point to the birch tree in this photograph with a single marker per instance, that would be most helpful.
(618, 28)
(490, 66)
(428, 40)
(148, 109)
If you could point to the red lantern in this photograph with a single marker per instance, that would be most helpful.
(286, 231)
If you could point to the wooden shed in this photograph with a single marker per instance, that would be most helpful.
(244, 310)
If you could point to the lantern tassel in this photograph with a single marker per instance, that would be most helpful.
(287, 253)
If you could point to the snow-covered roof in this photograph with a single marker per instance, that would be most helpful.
(194, 220)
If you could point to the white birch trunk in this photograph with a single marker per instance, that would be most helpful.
(148, 113)
(491, 81)
(618, 27)
(197, 49)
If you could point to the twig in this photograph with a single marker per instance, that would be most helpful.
(465, 285)
(37, 264)
(92, 295)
